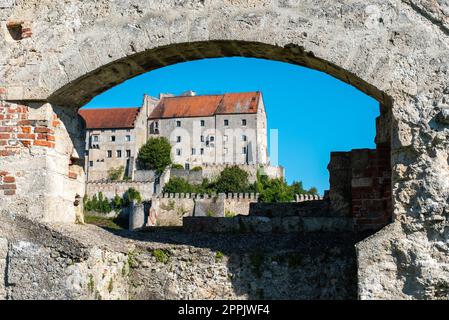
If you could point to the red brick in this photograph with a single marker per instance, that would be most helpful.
(5, 153)
(10, 192)
(43, 143)
(42, 130)
(6, 129)
(2, 117)
(8, 187)
(25, 136)
(72, 175)
(2, 90)
(9, 179)
(26, 129)
(3, 142)
(56, 123)
(26, 143)
(24, 122)
(3, 173)
(5, 136)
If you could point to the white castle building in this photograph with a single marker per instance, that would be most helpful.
(204, 130)
(228, 128)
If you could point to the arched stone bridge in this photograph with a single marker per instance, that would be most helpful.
(55, 57)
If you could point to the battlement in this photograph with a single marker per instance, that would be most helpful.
(235, 196)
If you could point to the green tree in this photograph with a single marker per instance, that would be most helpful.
(178, 185)
(117, 203)
(155, 154)
(232, 179)
(103, 204)
(274, 190)
(131, 194)
(115, 174)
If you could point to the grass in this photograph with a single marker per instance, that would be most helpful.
(90, 283)
(110, 223)
(229, 214)
(161, 255)
(218, 256)
(111, 285)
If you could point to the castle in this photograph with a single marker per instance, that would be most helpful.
(210, 131)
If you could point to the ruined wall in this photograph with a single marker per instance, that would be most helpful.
(170, 209)
(85, 262)
(41, 168)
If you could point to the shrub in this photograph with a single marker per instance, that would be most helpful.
(277, 190)
(115, 174)
(130, 195)
(161, 255)
(117, 203)
(232, 179)
(178, 185)
(197, 168)
(155, 154)
(177, 166)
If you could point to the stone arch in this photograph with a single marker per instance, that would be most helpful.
(396, 52)
(84, 88)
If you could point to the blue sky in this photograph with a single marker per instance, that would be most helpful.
(314, 113)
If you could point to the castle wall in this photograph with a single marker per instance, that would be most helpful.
(110, 189)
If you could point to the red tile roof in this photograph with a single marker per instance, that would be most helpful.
(206, 105)
(109, 118)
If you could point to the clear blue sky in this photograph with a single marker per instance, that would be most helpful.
(314, 113)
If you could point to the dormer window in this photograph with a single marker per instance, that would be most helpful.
(202, 123)
(244, 122)
(226, 122)
(178, 123)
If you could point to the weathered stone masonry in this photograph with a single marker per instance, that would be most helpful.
(396, 51)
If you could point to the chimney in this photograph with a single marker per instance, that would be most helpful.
(149, 103)
(189, 93)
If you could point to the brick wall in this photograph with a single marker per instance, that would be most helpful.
(361, 184)
(371, 187)
(18, 133)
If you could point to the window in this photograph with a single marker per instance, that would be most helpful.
(128, 153)
(86, 152)
(187, 166)
(119, 153)
(244, 150)
(178, 123)
(109, 153)
(226, 122)
(156, 124)
(178, 152)
(202, 123)
(95, 138)
(225, 150)
(202, 151)
(243, 138)
(225, 138)
(113, 130)
(128, 138)
(212, 138)
(113, 138)
(193, 151)
(91, 163)
(178, 139)
(243, 122)
(128, 130)
(202, 138)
